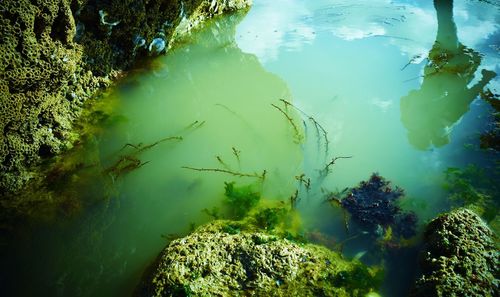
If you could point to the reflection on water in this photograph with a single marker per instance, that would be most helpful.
(444, 96)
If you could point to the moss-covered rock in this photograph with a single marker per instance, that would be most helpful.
(213, 261)
(56, 54)
(460, 258)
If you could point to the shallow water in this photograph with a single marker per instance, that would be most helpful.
(356, 67)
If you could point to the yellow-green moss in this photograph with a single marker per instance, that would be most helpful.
(212, 262)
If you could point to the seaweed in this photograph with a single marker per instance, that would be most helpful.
(269, 218)
(294, 198)
(231, 228)
(303, 180)
(214, 213)
(491, 138)
(359, 278)
(373, 205)
(474, 187)
(130, 162)
(317, 126)
(240, 199)
(298, 137)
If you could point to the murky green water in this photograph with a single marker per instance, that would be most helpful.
(357, 67)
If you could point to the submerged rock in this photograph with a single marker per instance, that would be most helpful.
(214, 262)
(460, 258)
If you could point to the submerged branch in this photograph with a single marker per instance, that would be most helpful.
(219, 159)
(332, 162)
(239, 174)
(290, 120)
(179, 138)
(317, 125)
(303, 180)
(194, 125)
(129, 162)
(237, 153)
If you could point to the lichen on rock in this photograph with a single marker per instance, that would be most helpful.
(214, 262)
(460, 258)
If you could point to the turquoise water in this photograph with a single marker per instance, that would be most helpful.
(358, 68)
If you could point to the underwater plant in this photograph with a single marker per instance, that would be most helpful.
(320, 131)
(491, 138)
(240, 199)
(475, 188)
(269, 218)
(129, 162)
(297, 135)
(373, 205)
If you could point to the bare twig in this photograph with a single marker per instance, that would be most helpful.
(141, 149)
(332, 162)
(413, 59)
(219, 159)
(305, 181)
(317, 125)
(194, 125)
(290, 120)
(239, 174)
(237, 153)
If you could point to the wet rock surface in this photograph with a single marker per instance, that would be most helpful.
(215, 262)
(460, 258)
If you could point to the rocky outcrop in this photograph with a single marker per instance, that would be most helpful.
(460, 258)
(215, 261)
(56, 54)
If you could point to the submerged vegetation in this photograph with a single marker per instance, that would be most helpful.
(240, 199)
(130, 161)
(373, 205)
(491, 138)
(475, 188)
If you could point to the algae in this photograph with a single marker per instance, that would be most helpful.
(474, 187)
(240, 199)
(460, 257)
(213, 262)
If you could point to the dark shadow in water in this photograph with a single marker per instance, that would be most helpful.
(443, 98)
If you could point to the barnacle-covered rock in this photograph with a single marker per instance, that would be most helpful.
(39, 68)
(460, 258)
(214, 262)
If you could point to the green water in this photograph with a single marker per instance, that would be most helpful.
(344, 63)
